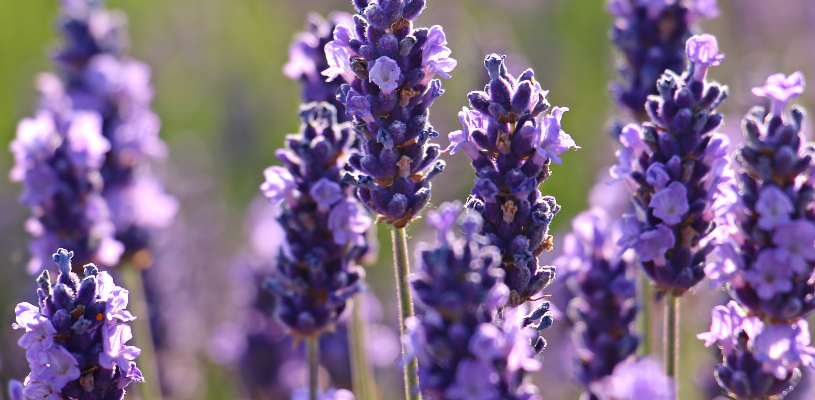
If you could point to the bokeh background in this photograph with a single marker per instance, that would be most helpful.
(226, 106)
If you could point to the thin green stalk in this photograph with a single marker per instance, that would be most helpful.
(313, 366)
(672, 337)
(646, 326)
(142, 334)
(400, 262)
(361, 369)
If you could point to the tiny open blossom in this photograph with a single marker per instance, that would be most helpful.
(384, 72)
(671, 203)
(773, 207)
(703, 53)
(550, 140)
(781, 89)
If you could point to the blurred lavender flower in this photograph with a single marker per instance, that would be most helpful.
(392, 66)
(760, 362)
(324, 234)
(635, 380)
(307, 59)
(57, 157)
(464, 352)
(75, 340)
(651, 36)
(511, 152)
(604, 306)
(15, 390)
(674, 165)
(331, 394)
(766, 250)
(97, 75)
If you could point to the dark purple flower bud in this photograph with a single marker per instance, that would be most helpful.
(77, 347)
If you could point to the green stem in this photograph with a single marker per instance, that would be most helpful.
(361, 369)
(646, 326)
(400, 258)
(672, 337)
(142, 334)
(313, 366)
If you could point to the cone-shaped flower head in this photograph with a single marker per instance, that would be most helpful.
(391, 67)
(324, 224)
(96, 74)
(651, 36)
(767, 253)
(464, 351)
(511, 150)
(674, 165)
(76, 337)
(603, 308)
(760, 361)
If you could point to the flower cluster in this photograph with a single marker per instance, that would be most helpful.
(75, 339)
(511, 151)
(391, 67)
(760, 361)
(463, 350)
(324, 225)
(98, 76)
(767, 252)
(651, 36)
(307, 59)
(674, 165)
(604, 307)
(634, 380)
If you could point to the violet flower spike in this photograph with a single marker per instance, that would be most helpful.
(490, 357)
(390, 95)
(324, 226)
(76, 337)
(511, 150)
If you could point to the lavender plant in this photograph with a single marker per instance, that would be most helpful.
(324, 225)
(636, 379)
(651, 36)
(75, 338)
(604, 307)
(97, 75)
(764, 251)
(464, 351)
(511, 150)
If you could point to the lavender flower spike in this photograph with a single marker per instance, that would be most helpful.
(604, 306)
(651, 36)
(674, 165)
(307, 59)
(463, 351)
(773, 227)
(393, 66)
(759, 362)
(511, 150)
(75, 338)
(324, 225)
(97, 75)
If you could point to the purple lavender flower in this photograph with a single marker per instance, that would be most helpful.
(674, 168)
(651, 36)
(15, 390)
(324, 233)
(57, 156)
(634, 380)
(771, 226)
(307, 59)
(331, 394)
(463, 350)
(76, 337)
(393, 66)
(511, 152)
(97, 75)
(603, 308)
(759, 362)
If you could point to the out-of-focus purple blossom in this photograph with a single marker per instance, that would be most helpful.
(651, 36)
(331, 394)
(76, 337)
(636, 379)
(15, 390)
(464, 351)
(317, 275)
(603, 308)
(307, 60)
(392, 65)
(773, 208)
(511, 150)
(781, 89)
(674, 165)
(770, 275)
(759, 362)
